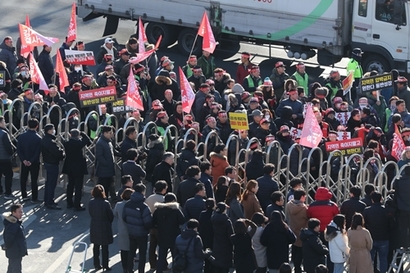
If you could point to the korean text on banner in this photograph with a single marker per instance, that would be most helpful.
(98, 96)
(238, 121)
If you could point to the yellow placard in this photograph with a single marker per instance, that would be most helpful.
(239, 121)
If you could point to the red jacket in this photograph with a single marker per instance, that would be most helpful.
(322, 208)
(242, 72)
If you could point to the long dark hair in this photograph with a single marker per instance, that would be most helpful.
(234, 192)
(277, 222)
(251, 184)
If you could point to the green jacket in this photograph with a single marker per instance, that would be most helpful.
(302, 81)
(207, 65)
(354, 65)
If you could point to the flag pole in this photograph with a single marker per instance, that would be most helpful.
(193, 45)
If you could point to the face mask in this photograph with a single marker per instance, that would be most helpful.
(54, 132)
(77, 68)
(4, 101)
(362, 105)
(24, 74)
(267, 116)
(392, 108)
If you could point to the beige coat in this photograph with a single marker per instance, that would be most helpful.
(251, 205)
(296, 214)
(360, 243)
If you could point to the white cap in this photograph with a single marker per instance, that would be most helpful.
(108, 41)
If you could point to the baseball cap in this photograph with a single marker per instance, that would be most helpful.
(167, 62)
(108, 41)
(256, 112)
(254, 99)
(284, 128)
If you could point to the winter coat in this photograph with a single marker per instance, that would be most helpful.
(378, 222)
(127, 144)
(163, 171)
(186, 190)
(219, 163)
(222, 246)
(297, 218)
(122, 235)
(104, 154)
(29, 146)
(75, 163)
(137, 215)
(266, 187)
(14, 239)
(277, 244)
(52, 153)
(244, 257)
(254, 168)
(193, 207)
(360, 243)
(350, 207)
(186, 159)
(8, 56)
(154, 156)
(101, 219)
(278, 82)
(135, 170)
(338, 245)
(195, 254)
(45, 63)
(207, 181)
(251, 205)
(314, 251)
(235, 210)
(274, 207)
(402, 191)
(205, 228)
(220, 193)
(167, 218)
(322, 208)
(103, 50)
(259, 249)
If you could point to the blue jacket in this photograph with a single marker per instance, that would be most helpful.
(193, 207)
(104, 153)
(14, 239)
(137, 215)
(266, 187)
(29, 146)
(296, 106)
(195, 255)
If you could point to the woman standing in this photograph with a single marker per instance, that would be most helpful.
(123, 240)
(218, 161)
(233, 200)
(250, 202)
(360, 243)
(221, 188)
(260, 250)
(277, 237)
(222, 246)
(244, 258)
(100, 227)
(335, 234)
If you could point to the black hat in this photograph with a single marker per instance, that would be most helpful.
(170, 197)
(153, 137)
(106, 128)
(48, 127)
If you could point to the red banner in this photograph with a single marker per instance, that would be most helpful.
(25, 50)
(30, 37)
(347, 83)
(72, 28)
(205, 30)
(36, 75)
(344, 144)
(133, 99)
(188, 96)
(79, 57)
(311, 132)
(398, 144)
(62, 74)
(142, 38)
(97, 96)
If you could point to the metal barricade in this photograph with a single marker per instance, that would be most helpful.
(208, 137)
(382, 179)
(228, 142)
(247, 155)
(350, 180)
(325, 173)
(147, 131)
(289, 174)
(365, 173)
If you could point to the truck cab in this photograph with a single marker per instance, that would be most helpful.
(380, 29)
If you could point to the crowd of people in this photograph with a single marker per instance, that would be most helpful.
(209, 213)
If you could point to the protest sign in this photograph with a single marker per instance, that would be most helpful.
(79, 57)
(239, 121)
(376, 82)
(98, 96)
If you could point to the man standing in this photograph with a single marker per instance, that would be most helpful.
(164, 170)
(52, 155)
(45, 63)
(8, 54)
(187, 69)
(14, 239)
(195, 205)
(402, 192)
(352, 205)
(29, 149)
(295, 104)
(66, 45)
(403, 91)
(105, 162)
(266, 186)
(138, 218)
(75, 166)
(278, 78)
(106, 48)
(354, 66)
(253, 80)
(129, 142)
(244, 67)
(6, 151)
(207, 64)
(301, 77)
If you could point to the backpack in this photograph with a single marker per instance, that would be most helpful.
(181, 260)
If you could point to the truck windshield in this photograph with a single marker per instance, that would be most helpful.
(391, 11)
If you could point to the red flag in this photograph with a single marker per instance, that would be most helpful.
(398, 144)
(133, 99)
(142, 56)
(72, 28)
(187, 94)
(348, 83)
(311, 132)
(62, 74)
(142, 38)
(25, 50)
(205, 30)
(36, 75)
(30, 37)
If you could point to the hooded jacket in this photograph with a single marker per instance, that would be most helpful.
(194, 254)
(167, 218)
(322, 208)
(137, 215)
(14, 239)
(338, 243)
(314, 251)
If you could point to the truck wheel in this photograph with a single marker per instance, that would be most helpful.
(376, 62)
(186, 40)
(154, 30)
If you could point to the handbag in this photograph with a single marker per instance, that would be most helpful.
(180, 262)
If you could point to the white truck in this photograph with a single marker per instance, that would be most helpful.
(328, 28)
